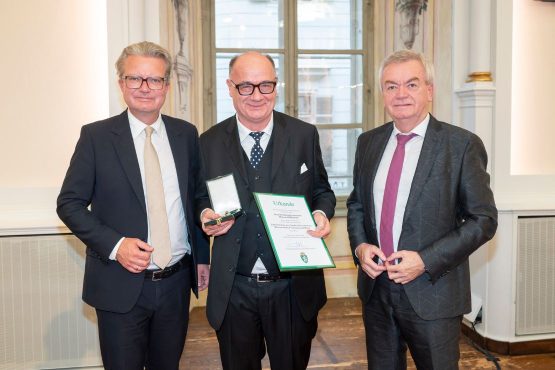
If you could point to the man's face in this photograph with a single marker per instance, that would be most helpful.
(254, 111)
(143, 102)
(405, 92)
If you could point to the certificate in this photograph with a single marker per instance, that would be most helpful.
(287, 219)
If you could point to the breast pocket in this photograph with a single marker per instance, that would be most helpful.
(304, 177)
(303, 182)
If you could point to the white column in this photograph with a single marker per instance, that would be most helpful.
(476, 101)
(476, 97)
(479, 62)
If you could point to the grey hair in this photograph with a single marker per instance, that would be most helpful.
(402, 56)
(267, 56)
(145, 49)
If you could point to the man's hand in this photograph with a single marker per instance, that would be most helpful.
(323, 226)
(203, 276)
(214, 230)
(134, 254)
(409, 268)
(366, 253)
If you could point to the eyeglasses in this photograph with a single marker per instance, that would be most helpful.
(153, 83)
(247, 88)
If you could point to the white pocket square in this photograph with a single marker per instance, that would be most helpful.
(303, 169)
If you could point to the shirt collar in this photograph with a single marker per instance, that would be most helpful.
(244, 132)
(419, 130)
(138, 127)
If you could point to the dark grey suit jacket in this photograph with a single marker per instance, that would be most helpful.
(104, 173)
(294, 143)
(450, 212)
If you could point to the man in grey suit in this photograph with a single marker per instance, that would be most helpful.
(421, 204)
(251, 304)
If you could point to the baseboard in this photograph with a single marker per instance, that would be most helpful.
(510, 348)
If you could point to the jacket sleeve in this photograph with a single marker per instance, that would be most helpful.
(75, 198)
(478, 215)
(355, 209)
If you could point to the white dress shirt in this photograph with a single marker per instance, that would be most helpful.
(412, 153)
(174, 207)
(247, 141)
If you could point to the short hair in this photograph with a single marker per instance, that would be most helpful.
(145, 49)
(402, 56)
(234, 59)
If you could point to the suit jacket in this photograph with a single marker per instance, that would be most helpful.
(450, 212)
(294, 143)
(104, 173)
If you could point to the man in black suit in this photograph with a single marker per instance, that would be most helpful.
(421, 204)
(139, 173)
(251, 305)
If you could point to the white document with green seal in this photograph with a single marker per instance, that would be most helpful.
(287, 219)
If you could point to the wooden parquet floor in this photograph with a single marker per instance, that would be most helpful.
(339, 344)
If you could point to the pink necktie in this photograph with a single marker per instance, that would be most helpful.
(390, 194)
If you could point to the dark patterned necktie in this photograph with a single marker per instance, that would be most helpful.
(256, 151)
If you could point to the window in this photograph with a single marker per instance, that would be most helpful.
(320, 51)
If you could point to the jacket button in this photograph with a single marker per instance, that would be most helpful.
(259, 235)
(237, 240)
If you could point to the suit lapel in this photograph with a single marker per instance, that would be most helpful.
(180, 153)
(280, 143)
(234, 149)
(373, 157)
(427, 158)
(125, 149)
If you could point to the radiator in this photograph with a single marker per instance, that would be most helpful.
(535, 286)
(44, 324)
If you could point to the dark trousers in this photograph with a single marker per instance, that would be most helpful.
(152, 334)
(261, 315)
(391, 325)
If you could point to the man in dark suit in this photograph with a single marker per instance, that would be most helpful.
(251, 305)
(139, 173)
(421, 204)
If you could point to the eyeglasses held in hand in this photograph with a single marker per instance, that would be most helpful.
(247, 88)
(153, 83)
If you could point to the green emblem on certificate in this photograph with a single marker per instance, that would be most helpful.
(304, 257)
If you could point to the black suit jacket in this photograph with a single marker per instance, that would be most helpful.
(294, 143)
(450, 212)
(104, 173)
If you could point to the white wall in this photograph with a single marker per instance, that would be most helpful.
(58, 66)
(54, 79)
(533, 108)
(523, 169)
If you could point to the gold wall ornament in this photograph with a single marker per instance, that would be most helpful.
(479, 77)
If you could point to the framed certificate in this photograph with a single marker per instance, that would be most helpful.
(287, 219)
